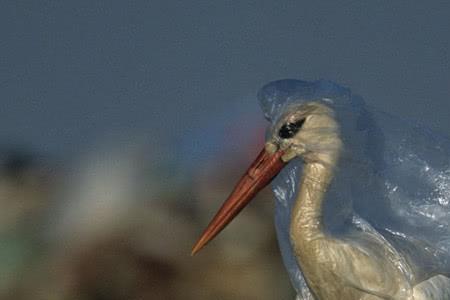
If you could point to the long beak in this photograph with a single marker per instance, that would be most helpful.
(265, 167)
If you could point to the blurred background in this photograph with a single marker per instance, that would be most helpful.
(124, 125)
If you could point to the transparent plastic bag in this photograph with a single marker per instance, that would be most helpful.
(393, 181)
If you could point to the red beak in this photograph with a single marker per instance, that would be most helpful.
(260, 173)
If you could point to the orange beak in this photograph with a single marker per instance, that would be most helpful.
(260, 173)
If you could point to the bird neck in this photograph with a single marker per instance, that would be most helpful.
(307, 219)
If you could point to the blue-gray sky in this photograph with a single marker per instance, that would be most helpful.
(74, 71)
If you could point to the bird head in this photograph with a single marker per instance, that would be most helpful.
(307, 130)
(304, 125)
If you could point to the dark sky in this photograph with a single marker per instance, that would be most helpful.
(74, 71)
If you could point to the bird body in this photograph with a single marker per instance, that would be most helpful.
(363, 200)
(336, 268)
(359, 267)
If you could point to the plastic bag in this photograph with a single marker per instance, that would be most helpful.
(393, 181)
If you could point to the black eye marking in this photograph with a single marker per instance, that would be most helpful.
(288, 130)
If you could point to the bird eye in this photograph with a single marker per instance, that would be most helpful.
(288, 130)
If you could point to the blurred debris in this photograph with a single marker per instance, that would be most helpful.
(119, 225)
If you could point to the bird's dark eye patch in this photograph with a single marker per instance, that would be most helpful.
(288, 130)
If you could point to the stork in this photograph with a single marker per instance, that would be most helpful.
(346, 236)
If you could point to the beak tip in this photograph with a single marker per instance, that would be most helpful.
(197, 247)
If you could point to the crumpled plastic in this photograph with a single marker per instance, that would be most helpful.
(393, 180)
